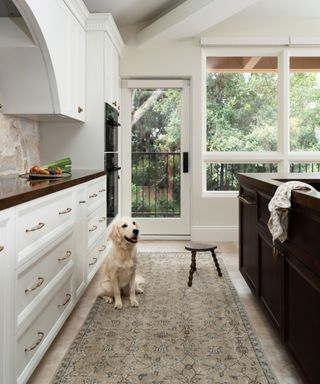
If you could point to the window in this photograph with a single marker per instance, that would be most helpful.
(248, 125)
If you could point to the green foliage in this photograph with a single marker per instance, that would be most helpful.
(241, 111)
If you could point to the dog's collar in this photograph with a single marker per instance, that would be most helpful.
(133, 241)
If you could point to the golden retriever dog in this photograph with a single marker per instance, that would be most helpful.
(119, 275)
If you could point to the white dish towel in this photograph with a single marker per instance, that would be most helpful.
(278, 207)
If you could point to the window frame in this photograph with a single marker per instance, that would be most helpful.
(283, 156)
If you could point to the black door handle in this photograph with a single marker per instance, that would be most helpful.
(185, 164)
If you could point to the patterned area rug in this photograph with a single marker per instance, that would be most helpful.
(178, 335)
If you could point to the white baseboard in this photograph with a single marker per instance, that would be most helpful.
(215, 233)
(165, 237)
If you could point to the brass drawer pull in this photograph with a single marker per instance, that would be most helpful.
(37, 285)
(68, 298)
(36, 228)
(68, 210)
(102, 248)
(102, 190)
(40, 338)
(82, 202)
(93, 228)
(1, 248)
(94, 261)
(246, 201)
(94, 195)
(102, 219)
(65, 257)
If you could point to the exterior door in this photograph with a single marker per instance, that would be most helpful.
(155, 138)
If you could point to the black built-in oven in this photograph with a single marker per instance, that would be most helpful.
(111, 160)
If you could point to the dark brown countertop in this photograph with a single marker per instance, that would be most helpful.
(269, 184)
(16, 190)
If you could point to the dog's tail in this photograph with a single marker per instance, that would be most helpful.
(139, 280)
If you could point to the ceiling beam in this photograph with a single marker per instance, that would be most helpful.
(191, 18)
(250, 62)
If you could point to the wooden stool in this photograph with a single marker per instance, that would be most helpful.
(194, 248)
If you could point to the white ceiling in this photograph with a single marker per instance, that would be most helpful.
(129, 12)
(178, 19)
(283, 8)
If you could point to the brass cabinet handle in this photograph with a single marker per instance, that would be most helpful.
(276, 253)
(245, 200)
(93, 228)
(40, 338)
(94, 261)
(68, 298)
(114, 103)
(65, 257)
(36, 228)
(1, 248)
(102, 190)
(94, 195)
(102, 248)
(37, 285)
(68, 210)
(102, 219)
(82, 202)
(80, 109)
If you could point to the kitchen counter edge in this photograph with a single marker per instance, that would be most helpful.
(17, 190)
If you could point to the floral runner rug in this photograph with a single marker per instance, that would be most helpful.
(178, 335)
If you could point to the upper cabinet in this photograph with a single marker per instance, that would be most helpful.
(54, 82)
(112, 79)
(105, 37)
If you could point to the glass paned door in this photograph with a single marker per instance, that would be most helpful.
(159, 135)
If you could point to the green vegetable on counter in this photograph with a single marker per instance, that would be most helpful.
(63, 164)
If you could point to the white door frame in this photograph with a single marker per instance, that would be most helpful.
(156, 227)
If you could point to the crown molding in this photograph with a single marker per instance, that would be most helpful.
(104, 22)
(79, 10)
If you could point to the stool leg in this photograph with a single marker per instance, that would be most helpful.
(216, 263)
(192, 267)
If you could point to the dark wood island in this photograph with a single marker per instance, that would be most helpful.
(284, 277)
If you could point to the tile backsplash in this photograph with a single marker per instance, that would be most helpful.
(19, 144)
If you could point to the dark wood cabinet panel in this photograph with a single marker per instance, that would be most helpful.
(270, 291)
(249, 238)
(302, 333)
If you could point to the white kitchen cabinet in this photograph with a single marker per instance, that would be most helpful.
(48, 255)
(112, 80)
(65, 39)
(7, 265)
(51, 80)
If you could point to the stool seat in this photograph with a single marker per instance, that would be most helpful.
(200, 247)
(192, 246)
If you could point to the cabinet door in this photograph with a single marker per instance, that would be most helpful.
(7, 329)
(78, 47)
(65, 40)
(112, 83)
(248, 236)
(271, 271)
(302, 318)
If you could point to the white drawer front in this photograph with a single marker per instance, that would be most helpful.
(38, 217)
(96, 192)
(37, 275)
(34, 340)
(97, 253)
(97, 223)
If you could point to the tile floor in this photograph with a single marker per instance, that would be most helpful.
(274, 352)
